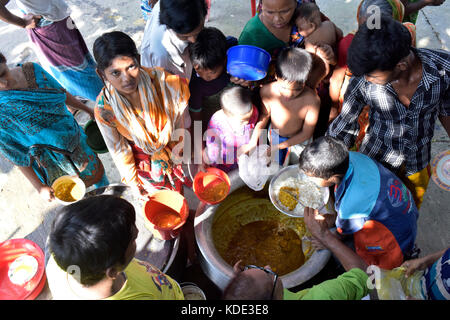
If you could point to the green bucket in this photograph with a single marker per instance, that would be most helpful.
(94, 137)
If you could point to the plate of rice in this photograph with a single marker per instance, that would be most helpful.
(290, 191)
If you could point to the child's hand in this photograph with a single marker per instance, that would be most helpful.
(246, 148)
(325, 52)
(241, 82)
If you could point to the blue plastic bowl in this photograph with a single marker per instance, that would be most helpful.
(247, 62)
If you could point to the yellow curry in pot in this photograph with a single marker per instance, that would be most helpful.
(248, 227)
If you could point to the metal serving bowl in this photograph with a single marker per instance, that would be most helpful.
(285, 173)
(219, 271)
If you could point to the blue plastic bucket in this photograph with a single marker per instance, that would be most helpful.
(247, 62)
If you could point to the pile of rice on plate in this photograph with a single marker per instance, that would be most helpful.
(306, 191)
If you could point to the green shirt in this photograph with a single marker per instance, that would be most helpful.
(143, 282)
(350, 285)
(146, 282)
(256, 34)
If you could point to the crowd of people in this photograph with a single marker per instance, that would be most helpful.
(356, 113)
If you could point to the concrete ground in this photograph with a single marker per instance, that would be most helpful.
(21, 209)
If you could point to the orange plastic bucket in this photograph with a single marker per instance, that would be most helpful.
(165, 213)
(212, 186)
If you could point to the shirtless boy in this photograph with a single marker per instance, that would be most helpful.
(291, 107)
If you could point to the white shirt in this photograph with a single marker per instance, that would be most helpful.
(162, 48)
(52, 10)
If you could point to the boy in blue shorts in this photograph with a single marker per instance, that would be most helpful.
(372, 203)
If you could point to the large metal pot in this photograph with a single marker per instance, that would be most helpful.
(220, 272)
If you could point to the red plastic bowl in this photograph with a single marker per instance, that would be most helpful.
(204, 181)
(10, 250)
(163, 202)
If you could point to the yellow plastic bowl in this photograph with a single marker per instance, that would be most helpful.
(69, 189)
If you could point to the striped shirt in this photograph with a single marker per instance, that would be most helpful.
(398, 136)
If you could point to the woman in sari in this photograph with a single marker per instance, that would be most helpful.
(39, 134)
(138, 111)
(272, 29)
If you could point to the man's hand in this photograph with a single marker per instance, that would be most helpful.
(316, 224)
(413, 265)
(31, 21)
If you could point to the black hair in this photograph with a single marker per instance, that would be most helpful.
(293, 65)
(182, 16)
(236, 100)
(242, 287)
(2, 58)
(324, 158)
(379, 48)
(92, 234)
(307, 11)
(383, 5)
(210, 49)
(111, 45)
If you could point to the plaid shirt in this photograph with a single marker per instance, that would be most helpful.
(398, 137)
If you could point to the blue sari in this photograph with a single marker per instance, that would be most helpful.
(38, 116)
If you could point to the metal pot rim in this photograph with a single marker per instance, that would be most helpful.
(203, 226)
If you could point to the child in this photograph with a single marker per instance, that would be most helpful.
(371, 202)
(292, 107)
(92, 244)
(230, 128)
(308, 20)
(208, 56)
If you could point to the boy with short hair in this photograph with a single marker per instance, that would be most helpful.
(372, 203)
(407, 89)
(209, 58)
(291, 107)
(92, 244)
(171, 27)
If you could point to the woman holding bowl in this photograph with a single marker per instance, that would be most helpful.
(39, 134)
(273, 29)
